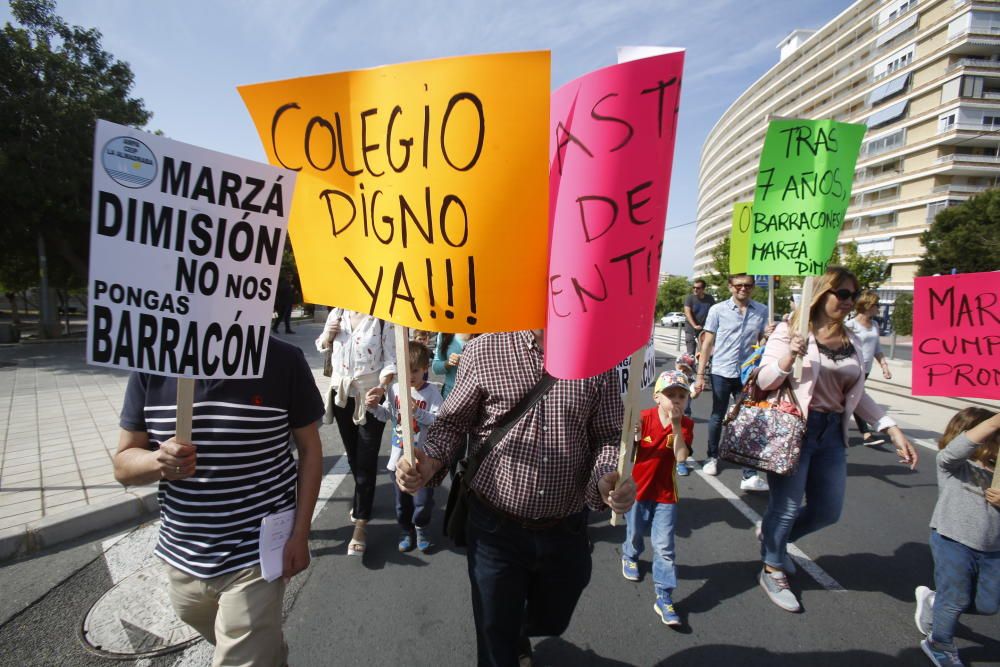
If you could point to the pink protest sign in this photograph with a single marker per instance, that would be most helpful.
(610, 152)
(956, 335)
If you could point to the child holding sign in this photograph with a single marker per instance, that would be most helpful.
(656, 497)
(965, 533)
(413, 512)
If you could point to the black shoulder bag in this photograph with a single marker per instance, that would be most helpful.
(457, 510)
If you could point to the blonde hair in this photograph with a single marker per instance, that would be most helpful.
(866, 302)
(986, 453)
(834, 278)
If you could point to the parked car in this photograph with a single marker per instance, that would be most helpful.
(673, 320)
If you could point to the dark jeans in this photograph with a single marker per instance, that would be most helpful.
(525, 583)
(361, 444)
(967, 581)
(414, 510)
(723, 389)
(691, 340)
(284, 315)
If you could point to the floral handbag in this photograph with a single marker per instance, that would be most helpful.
(764, 433)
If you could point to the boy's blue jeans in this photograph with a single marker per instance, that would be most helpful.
(966, 580)
(414, 510)
(821, 478)
(657, 520)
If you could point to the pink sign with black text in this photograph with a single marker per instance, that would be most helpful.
(956, 335)
(610, 155)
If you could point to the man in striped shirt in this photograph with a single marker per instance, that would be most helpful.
(528, 552)
(215, 490)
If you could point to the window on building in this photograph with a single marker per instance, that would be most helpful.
(894, 62)
(972, 86)
(946, 123)
(889, 114)
(885, 143)
(896, 31)
(875, 222)
(889, 90)
(936, 207)
(991, 121)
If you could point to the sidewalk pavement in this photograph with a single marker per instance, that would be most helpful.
(58, 433)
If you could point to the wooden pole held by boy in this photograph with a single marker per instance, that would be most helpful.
(630, 418)
(403, 384)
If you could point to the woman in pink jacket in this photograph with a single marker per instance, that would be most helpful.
(832, 388)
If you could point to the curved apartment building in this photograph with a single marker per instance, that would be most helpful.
(924, 75)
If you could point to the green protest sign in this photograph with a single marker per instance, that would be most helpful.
(739, 237)
(803, 190)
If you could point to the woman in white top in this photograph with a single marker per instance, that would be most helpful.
(362, 358)
(867, 332)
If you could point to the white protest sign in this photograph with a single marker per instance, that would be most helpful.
(185, 249)
(648, 368)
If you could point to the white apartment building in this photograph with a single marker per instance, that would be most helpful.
(924, 75)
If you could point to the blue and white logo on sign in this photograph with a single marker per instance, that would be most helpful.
(129, 162)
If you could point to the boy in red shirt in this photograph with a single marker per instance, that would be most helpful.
(654, 512)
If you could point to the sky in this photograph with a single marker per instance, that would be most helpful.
(188, 56)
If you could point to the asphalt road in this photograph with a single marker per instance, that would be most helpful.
(414, 609)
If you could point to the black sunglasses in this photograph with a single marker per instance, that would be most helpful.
(844, 294)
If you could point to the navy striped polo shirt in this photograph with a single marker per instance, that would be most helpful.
(210, 522)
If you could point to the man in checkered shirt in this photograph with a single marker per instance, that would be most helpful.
(528, 551)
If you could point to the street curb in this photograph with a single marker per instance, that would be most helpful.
(136, 505)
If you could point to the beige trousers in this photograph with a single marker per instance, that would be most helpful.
(239, 613)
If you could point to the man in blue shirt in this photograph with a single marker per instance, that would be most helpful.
(731, 329)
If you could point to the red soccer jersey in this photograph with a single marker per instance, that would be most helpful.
(654, 458)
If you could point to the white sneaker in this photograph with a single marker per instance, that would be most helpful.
(755, 483)
(710, 467)
(924, 615)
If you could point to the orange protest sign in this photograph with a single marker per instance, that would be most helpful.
(422, 188)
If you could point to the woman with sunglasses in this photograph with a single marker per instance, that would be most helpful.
(831, 388)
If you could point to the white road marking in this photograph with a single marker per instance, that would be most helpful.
(799, 556)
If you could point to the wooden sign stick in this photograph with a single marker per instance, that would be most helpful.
(807, 295)
(996, 477)
(403, 383)
(770, 299)
(626, 453)
(185, 401)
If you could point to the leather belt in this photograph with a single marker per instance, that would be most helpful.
(528, 524)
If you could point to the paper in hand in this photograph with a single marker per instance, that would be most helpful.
(275, 529)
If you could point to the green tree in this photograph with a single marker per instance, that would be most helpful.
(670, 295)
(902, 314)
(965, 238)
(718, 279)
(55, 81)
(871, 269)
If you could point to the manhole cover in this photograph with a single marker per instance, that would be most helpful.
(135, 619)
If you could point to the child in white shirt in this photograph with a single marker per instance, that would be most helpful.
(413, 513)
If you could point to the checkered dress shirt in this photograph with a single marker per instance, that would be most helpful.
(548, 464)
